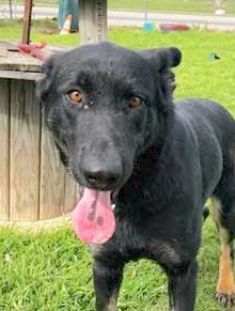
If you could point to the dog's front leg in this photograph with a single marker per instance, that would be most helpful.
(182, 287)
(108, 274)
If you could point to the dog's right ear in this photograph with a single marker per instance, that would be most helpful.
(44, 83)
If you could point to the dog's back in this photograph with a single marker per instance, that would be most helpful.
(215, 131)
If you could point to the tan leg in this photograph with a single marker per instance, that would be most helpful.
(225, 290)
(112, 304)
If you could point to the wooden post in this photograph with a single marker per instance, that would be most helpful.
(92, 20)
(28, 4)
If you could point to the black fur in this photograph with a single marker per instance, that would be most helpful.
(161, 160)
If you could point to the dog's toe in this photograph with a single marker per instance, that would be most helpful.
(226, 300)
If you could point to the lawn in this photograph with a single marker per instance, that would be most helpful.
(51, 270)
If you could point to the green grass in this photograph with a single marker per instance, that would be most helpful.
(51, 271)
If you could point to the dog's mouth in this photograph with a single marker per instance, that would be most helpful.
(93, 217)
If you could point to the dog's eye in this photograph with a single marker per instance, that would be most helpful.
(75, 97)
(135, 102)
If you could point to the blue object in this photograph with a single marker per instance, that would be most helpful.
(149, 26)
(67, 7)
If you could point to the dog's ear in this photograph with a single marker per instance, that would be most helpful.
(44, 83)
(163, 58)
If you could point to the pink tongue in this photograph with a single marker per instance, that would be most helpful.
(93, 218)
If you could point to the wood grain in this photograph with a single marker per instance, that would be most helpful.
(33, 182)
(4, 149)
(93, 21)
(24, 152)
(71, 194)
(101, 20)
(11, 60)
(18, 75)
(52, 178)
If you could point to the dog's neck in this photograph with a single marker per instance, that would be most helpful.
(148, 171)
(160, 136)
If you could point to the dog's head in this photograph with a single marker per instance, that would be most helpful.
(105, 105)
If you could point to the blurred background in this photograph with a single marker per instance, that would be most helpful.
(14, 8)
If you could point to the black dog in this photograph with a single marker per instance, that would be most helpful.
(111, 113)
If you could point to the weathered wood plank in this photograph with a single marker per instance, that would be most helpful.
(86, 21)
(4, 148)
(11, 59)
(18, 75)
(33, 183)
(92, 20)
(71, 194)
(52, 178)
(101, 20)
(24, 152)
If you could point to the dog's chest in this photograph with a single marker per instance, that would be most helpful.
(131, 244)
(138, 243)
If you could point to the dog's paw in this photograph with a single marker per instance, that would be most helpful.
(226, 300)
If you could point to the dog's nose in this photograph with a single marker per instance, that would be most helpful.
(101, 174)
(101, 178)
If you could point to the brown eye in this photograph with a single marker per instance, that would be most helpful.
(75, 97)
(135, 102)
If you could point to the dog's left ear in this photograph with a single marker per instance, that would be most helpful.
(163, 58)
